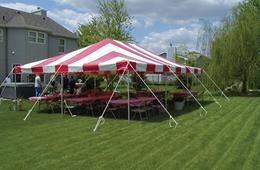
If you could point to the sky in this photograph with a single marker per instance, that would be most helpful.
(157, 23)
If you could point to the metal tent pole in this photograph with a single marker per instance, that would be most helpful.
(189, 91)
(128, 96)
(171, 118)
(100, 119)
(205, 88)
(62, 94)
(166, 92)
(15, 95)
(95, 82)
(44, 90)
(222, 93)
(110, 82)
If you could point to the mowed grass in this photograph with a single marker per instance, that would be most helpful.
(227, 138)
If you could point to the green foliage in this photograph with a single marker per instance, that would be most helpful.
(202, 62)
(235, 49)
(113, 22)
(186, 80)
(137, 82)
(91, 81)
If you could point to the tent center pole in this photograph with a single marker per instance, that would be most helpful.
(166, 88)
(128, 95)
(15, 93)
(95, 82)
(62, 93)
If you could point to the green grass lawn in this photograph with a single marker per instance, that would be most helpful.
(227, 138)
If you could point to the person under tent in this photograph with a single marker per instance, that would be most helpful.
(38, 85)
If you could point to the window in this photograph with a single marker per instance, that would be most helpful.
(61, 46)
(1, 35)
(36, 37)
(41, 37)
(18, 76)
(32, 36)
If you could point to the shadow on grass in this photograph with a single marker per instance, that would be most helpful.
(186, 110)
(155, 115)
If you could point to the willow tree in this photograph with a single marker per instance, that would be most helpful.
(235, 48)
(112, 21)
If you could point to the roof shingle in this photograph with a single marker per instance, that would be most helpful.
(19, 19)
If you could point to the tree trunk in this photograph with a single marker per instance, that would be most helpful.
(244, 85)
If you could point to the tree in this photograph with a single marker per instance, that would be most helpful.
(235, 48)
(113, 22)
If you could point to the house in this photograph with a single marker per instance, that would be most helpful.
(27, 37)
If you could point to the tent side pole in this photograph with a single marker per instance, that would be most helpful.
(171, 118)
(205, 87)
(95, 82)
(222, 93)
(166, 88)
(62, 94)
(15, 95)
(188, 91)
(44, 90)
(128, 96)
(102, 115)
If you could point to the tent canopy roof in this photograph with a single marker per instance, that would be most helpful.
(106, 56)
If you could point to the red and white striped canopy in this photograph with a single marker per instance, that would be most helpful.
(106, 56)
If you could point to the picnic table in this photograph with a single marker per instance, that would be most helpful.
(50, 100)
(50, 97)
(84, 100)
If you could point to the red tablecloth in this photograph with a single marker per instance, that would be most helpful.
(83, 100)
(73, 97)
